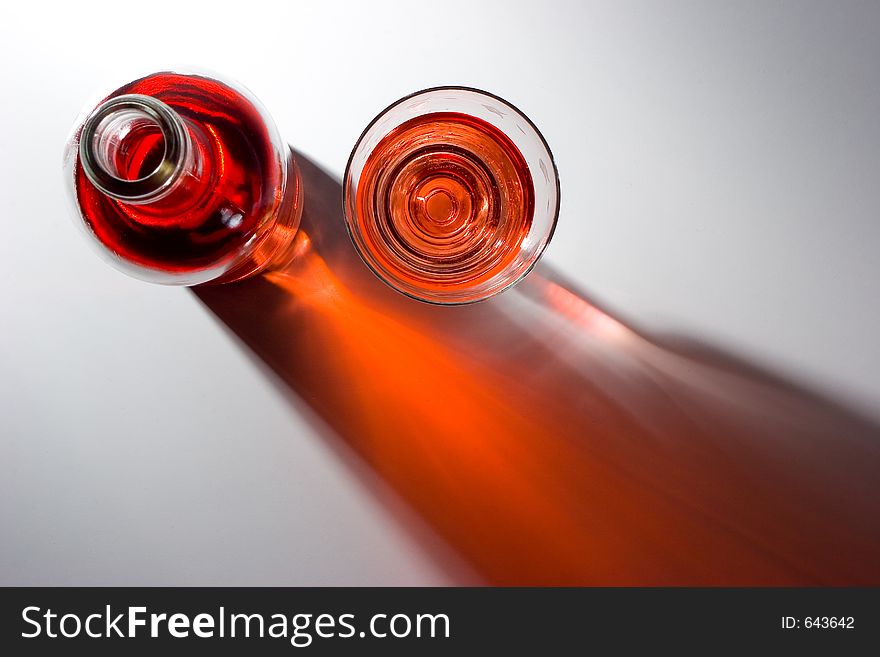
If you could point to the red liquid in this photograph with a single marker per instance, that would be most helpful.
(232, 195)
(444, 203)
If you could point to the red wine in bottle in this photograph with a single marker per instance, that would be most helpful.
(183, 179)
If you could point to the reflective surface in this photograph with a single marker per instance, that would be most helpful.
(549, 443)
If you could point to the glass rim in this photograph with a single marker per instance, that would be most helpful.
(345, 184)
(175, 149)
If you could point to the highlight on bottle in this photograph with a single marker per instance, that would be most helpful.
(184, 179)
(451, 195)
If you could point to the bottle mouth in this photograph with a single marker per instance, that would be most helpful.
(133, 147)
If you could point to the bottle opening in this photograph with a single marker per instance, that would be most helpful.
(129, 145)
(133, 147)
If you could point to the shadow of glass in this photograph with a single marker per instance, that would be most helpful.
(549, 443)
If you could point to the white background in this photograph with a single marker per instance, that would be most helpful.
(720, 168)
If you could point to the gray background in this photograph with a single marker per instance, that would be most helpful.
(720, 167)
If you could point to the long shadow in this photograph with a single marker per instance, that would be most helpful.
(549, 443)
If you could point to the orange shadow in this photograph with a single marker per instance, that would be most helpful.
(549, 443)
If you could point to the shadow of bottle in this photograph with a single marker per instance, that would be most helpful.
(549, 443)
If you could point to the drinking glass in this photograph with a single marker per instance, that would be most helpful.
(451, 195)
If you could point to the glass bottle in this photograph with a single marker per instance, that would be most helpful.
(183, 179)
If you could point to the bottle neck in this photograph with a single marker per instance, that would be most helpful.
(135, 148)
